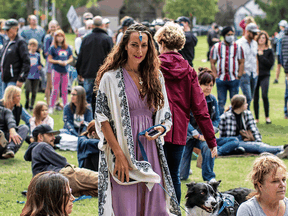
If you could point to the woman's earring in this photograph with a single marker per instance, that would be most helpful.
(140, 36)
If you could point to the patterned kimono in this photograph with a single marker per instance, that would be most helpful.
(112, 106)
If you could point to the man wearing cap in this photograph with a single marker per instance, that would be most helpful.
(94, 49)
(83, 30)
(11, 136)
(125, 24)
(249, 78)
(45, 158)
(78, 40)
(34, 31)
(282, 24)
(15, 60)
(229, 57)
(106, 23)
(188, 51)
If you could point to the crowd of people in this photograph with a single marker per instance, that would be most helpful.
(150, 107)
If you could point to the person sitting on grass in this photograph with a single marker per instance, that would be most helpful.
(239, 122)
(49, 193)
(269, 175)
(9, 131)
(40, 116)
(77, 114)
(44, 158)
(87, 148)
(11, 100)
(225, 145)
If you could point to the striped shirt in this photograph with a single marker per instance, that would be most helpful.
(227, 60)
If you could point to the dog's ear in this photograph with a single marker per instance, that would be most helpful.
(215, 185)
(190, 185)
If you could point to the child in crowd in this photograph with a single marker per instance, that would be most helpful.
(41, 116)
(60, 55)
(32, 81)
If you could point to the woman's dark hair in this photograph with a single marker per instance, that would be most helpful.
(90, 128)
(267, 43)
(205, 75)
(149, 67)
(47, 195)
(37, 110)
(237, 101)
(81, 100)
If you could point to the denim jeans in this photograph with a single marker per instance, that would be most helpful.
(1, 93)
(225, 145)
(258, 147)
(173, 155)
(5, 85)
(286, 96)
(248, 84)
(88, 86)
(25, 116)
(207, 163)
(222, 88)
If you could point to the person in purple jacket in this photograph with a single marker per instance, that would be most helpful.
(32, 81)
(184, 94)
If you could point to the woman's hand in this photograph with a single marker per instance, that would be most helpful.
(14, 136)
(214, 152)
(122, 167)
(158, 128)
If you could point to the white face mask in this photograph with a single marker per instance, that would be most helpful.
(229, 39)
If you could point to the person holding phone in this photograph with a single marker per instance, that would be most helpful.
(131, 98)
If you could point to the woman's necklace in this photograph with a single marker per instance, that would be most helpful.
(263, 209)
(140, 80)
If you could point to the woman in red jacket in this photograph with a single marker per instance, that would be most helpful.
(184, 94)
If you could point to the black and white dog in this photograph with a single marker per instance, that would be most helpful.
(203, 199)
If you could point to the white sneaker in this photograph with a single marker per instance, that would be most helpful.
(50, 110)
(213, 180)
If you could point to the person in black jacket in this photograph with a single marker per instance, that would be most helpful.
(9, 131)
(15, 61)
(213, 37)
(94, 49)
(266, 60)
(188, 51)
(284, 51)
(44, 158)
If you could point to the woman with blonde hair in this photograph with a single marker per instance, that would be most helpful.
(17, 134)
(268, 176)
(184, 95)
(266, 61)
(11, 100)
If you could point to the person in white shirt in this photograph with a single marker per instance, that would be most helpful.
(250, 75)
(106, 23)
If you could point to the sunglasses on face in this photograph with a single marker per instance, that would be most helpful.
(88, 18)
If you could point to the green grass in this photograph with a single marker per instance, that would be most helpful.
(15, 174)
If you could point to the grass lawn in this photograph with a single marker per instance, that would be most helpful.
(15, 174)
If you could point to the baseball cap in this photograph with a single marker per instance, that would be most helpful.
(105, 21)
(22, 20)
(9, 24)
(128, 22)
(44, 129)
(183, 19)
(158, 22)
(282, 23)
(252, 27)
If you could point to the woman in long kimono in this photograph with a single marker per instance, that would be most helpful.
(131, 98)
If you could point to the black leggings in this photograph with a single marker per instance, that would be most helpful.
(263, 81)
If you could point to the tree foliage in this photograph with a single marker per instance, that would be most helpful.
(13, 9)
(275, 10)
(225, 16)
(203, 10)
